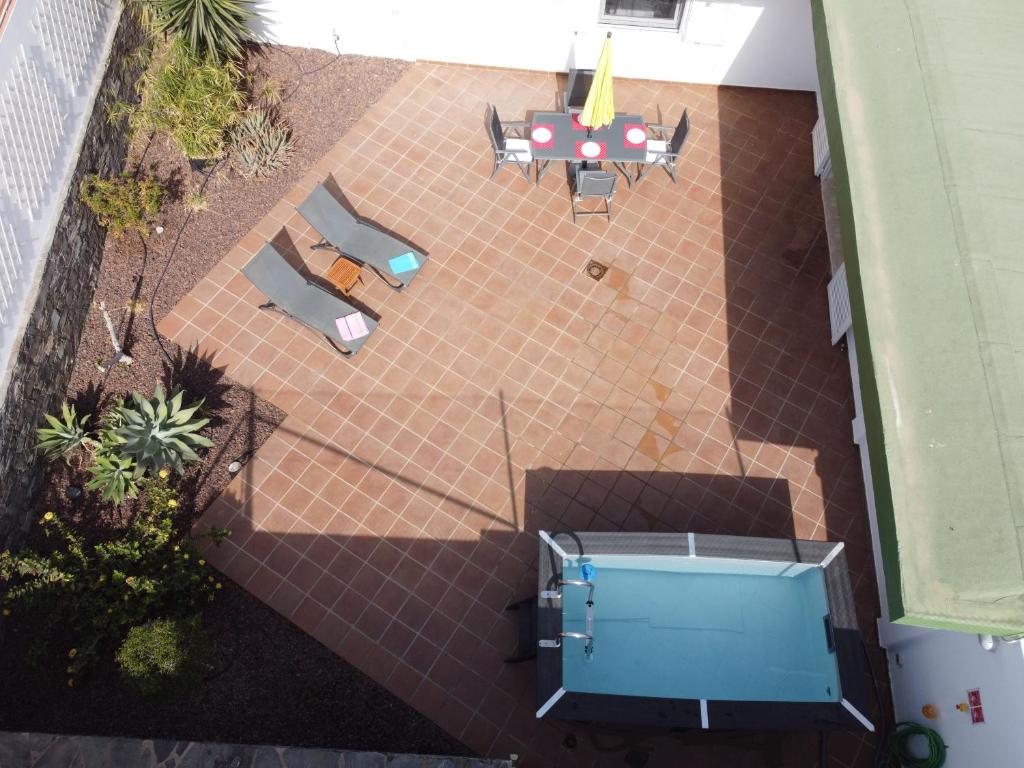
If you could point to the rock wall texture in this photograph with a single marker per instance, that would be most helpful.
(44, 361)
(39, 750)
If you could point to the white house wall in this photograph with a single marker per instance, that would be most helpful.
(763, 43)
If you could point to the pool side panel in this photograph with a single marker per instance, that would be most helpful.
(549, 624)
(757, 548)
(853, 673)
(780, 716)
(632, 710)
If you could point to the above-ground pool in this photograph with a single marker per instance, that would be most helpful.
(688, 630)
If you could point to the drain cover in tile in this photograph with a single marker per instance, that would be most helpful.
(595, 269)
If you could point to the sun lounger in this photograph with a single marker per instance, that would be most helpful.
(394, 261)
(345, 327)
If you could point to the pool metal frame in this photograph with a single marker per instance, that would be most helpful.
(850, 713)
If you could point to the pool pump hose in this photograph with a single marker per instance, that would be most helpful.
(904, 732)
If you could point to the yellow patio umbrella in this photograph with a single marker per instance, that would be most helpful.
(599, 108)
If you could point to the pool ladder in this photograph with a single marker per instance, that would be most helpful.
(588, 636)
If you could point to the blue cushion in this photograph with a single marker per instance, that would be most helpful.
(407, 262)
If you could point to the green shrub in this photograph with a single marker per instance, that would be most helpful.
(94, 592)
(213, 29)
(159, 432)
(260, 145)
(123, 203)
(193, 100)
(113, 476)
(65, 435)
(164, 656)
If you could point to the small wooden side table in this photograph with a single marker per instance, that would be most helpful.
(344, 274)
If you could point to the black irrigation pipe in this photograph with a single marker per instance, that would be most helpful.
(167, 263)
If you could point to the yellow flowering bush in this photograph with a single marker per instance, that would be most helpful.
(93, 593)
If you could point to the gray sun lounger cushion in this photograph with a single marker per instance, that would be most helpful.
(361, 242)
(306, 302)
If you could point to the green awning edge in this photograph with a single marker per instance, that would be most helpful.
(869, 393)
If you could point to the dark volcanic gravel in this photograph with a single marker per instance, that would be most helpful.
(273, 683)
(270, 684)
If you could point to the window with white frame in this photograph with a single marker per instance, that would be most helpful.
(661, 14)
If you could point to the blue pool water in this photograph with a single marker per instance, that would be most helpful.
(700, 628)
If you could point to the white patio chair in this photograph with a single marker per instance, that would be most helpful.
(509, 149)
(663, 152)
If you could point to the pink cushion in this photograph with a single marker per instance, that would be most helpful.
(352, 326)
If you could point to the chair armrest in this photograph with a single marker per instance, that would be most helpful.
(660, 131)
(516, 126)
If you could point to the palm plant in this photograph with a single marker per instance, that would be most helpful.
(159, 432)
(214, 29)
(193, 100)
(261, 146)
(113, 476)
(64, 435)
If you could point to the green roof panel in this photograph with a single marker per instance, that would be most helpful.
(924, 104)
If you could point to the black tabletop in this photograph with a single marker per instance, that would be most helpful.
(563, 145)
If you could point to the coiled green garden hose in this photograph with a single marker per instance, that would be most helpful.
(907, 730)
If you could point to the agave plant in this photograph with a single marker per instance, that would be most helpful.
(216, 29)
(261, 145)
(64, 435)
(159, 432)
(113, 476)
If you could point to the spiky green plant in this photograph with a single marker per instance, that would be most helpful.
(214, 29)
(114, 476)
(270, 93)
(123, 203)
(193, 100)
(196, 202)
(65, 435)
(260, 145)
(159, 432)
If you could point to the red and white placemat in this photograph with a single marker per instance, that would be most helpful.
(591, 150)
(634, 135)
(542, 135)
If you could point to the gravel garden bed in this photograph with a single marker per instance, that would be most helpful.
(269, 682)
(322, 95)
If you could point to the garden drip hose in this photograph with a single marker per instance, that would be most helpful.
(899, 745)
(167, 263)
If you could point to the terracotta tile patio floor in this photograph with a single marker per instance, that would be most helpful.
(394, 513)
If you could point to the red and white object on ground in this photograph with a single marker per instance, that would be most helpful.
(974, 702)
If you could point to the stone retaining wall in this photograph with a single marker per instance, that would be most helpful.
(41, 750)
(42, 368)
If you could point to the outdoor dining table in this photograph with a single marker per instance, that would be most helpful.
(558, 136)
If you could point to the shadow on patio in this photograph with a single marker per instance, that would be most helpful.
(424, 614)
